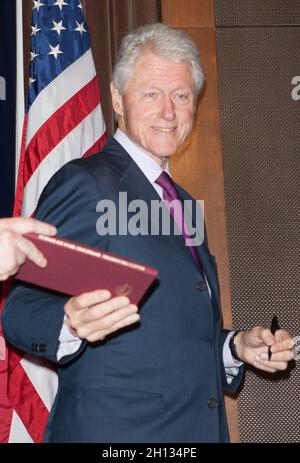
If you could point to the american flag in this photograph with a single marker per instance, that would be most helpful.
(63, 117)
(63, 121)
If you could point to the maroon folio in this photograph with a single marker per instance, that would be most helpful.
(74, 268)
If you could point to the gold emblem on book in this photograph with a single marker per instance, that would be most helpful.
(123, 290)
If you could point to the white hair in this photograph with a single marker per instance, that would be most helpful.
(172, 44)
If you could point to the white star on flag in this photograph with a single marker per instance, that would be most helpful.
(37, 4)
(60, 4)
(80, 5)
(80, 28)
(35, 30)
(58, 27)
(54, 51)
(33, 55)
(31, 80)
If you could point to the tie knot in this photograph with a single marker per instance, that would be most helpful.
(167, 184)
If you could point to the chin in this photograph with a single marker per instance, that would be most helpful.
(165, 151)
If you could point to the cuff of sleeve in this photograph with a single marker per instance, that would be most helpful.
(228, 360)
(68, 343)
(68, 348)
(65, 335)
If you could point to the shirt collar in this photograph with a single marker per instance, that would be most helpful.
(150, 168)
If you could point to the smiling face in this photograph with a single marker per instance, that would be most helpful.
(157, 108)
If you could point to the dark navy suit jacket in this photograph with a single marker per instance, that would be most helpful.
(160, 380)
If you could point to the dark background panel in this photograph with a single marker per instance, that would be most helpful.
(261, 154)
(7, 105)
(109, 21)
(257, 12)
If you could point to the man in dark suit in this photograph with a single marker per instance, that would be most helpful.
(157, 374)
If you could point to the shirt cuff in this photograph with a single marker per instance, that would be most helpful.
(69, 343)
(228, 360)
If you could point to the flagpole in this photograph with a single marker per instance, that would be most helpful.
(20, 105)
(18, 433)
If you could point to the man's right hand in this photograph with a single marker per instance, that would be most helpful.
(95, 315)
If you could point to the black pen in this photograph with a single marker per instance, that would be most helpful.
(274, 327)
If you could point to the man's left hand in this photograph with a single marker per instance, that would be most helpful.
(252, 347)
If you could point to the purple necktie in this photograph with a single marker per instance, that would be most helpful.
(170, 194)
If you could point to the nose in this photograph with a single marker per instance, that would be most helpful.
(167, 110)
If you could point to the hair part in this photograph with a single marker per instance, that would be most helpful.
(162, 40)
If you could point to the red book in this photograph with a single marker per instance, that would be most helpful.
(74, 268)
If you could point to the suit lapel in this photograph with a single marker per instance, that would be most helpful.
(206, 259)
(137, 186)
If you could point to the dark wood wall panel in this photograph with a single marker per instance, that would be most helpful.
(108, 22)
(199, 165)
(188, 13)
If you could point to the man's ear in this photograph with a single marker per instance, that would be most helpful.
(117, 100)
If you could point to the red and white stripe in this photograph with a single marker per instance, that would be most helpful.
(72, 115)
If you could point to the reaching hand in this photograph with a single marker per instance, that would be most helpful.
(15, 249)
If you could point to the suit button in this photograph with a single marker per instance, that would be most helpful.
(212, 403)
(201, 286)
(34, 347)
